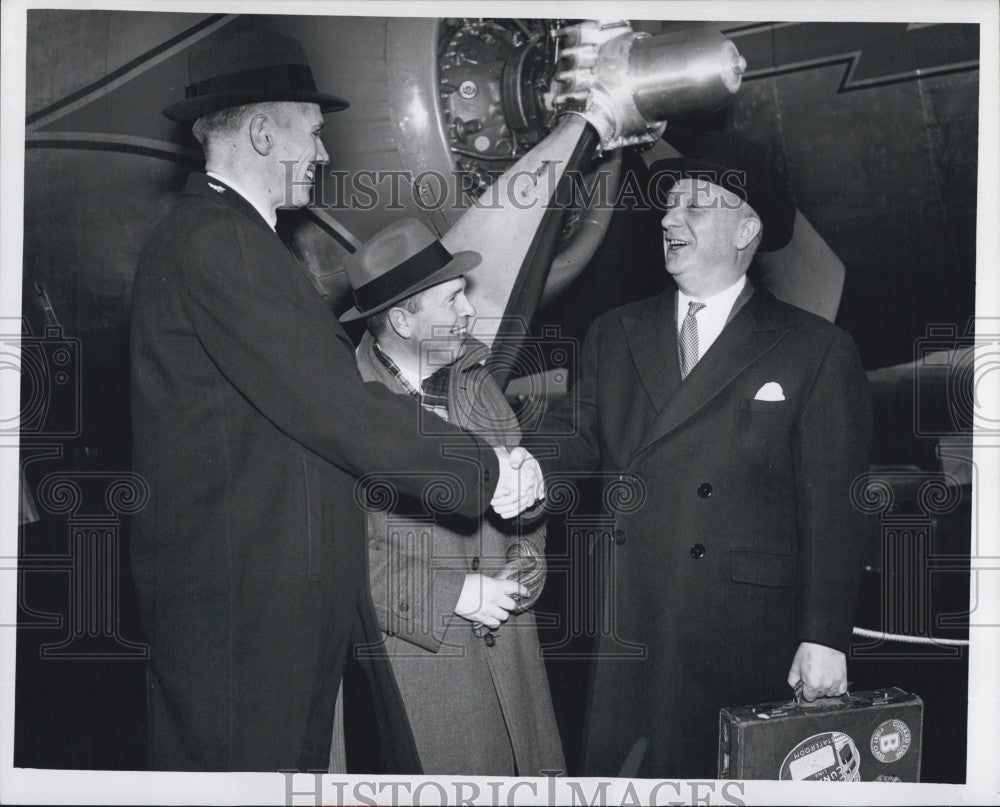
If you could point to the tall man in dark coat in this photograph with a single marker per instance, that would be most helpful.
(251, 425)
(744, 422)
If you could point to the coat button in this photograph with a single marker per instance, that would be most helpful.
(704, 490)
(620, 537)
(697, 551)
(489, 639)
(404, 607)
(474, 564)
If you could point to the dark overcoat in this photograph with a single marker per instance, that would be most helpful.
(477, 706)
(250, 425)
(744, 541)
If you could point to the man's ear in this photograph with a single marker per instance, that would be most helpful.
(399, 319)
(747, 231)
(261, 133)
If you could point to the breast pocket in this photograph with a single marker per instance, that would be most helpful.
(314, 518)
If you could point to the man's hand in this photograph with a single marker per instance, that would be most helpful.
(521, 483)
(821, 669)
(525, 564)
(486, 600)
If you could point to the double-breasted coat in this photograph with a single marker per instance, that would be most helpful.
(477, 706)
(745, 542)
(250, 426)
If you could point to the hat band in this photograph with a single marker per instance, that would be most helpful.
(281, 78)
(403, 276)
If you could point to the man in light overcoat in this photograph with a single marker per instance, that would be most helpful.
(452, 594)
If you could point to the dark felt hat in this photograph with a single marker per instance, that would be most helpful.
(247, 64)
(739, 167)
(397, 262)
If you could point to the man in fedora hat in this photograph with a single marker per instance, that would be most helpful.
(251, 426)
(744, 421)
(452, 594)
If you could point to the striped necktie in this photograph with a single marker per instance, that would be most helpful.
(689, 338)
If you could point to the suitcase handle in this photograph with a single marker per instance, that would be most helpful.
(838, 700)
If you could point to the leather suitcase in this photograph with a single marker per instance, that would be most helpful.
(869, 736)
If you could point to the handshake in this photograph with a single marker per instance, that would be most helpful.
(521, 484)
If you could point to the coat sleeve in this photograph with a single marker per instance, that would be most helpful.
(832, 445)
(413, 600)
(278, 344)
(568, 440)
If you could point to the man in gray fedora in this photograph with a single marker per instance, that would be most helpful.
(251, 426)
(452, 594)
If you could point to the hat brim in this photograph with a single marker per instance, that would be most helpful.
(190, 109)
(460, 263)
(776, 214)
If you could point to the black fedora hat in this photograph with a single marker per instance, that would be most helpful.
(397, 262)
(248, 64)
(737, 166)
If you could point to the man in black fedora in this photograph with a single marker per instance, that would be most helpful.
(744, 422)
(251, 426)
(452, 594)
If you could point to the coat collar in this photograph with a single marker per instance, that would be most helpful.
(475, 403)
(654, 349)
(199, 184)
(752, 330)
(476, 353)
(372, 369)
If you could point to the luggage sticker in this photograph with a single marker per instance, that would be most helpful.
(830, 756)
(890, 741)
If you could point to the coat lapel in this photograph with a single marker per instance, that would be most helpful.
(653, 348)
(749, 334)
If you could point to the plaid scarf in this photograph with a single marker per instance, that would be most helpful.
(473, 401)
(433, 393)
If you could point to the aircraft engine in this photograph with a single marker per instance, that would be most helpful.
(442, 108)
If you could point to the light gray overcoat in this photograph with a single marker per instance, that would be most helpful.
(474, 708)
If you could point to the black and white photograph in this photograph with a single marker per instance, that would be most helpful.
(500, 403)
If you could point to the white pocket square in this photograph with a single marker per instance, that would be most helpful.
(771, 391)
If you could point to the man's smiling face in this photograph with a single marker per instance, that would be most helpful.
(298, 149)
(440, 325)
(700, 230)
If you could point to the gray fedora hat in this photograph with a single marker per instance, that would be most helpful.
(398, 261)
(247, 64)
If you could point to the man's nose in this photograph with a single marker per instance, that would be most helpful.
(670, 219)
(322, 158)
(466, 308)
